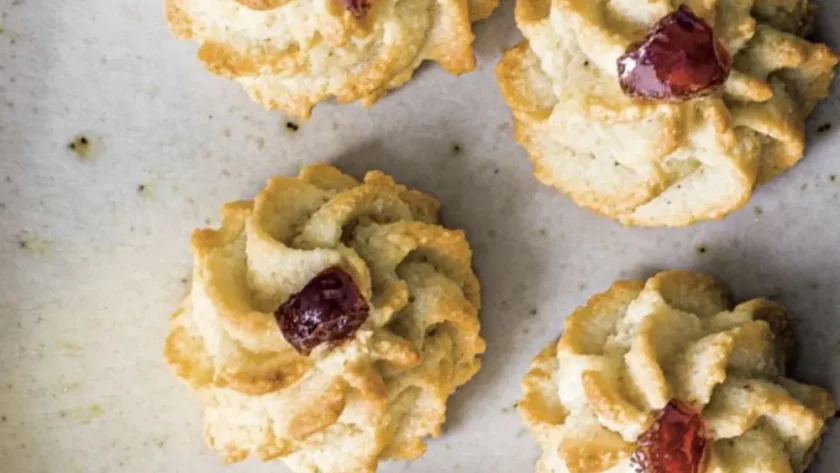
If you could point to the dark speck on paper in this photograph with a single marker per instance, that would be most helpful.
(292, 126)
(81, 146)
(144, 191)
(35, 245)
(824, 128)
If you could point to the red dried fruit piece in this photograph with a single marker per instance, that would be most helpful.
(358, 8)
(675, 443)
(328, 309)
(678, 60)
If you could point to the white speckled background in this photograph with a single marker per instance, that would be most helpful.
(90, 267)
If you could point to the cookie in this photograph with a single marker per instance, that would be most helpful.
(292, 54)
(692, 144)
(666, 375)
(327, 323)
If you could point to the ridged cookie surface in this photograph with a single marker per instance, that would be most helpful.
(629, 351)
(345, 406)
(292, 54)
(652, 163)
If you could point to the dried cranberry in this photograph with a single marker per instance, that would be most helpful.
(328, 309)
(675, 443)
(357, 8)
(678, 60)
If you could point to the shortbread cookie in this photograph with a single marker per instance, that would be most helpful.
(327, 324)
(667, 376)
(658, 112)
(292, 54)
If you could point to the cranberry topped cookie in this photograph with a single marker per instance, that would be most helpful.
(292, 54)
(660, 112)
(667, 376)
(327, 324)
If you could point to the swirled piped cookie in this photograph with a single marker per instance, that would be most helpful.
(328, 322)
(292, 54)
(666, 376)
(660, 112)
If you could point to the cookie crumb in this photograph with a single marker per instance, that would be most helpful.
(702, 249)
(83, 415)
(292, 126)
(144, 191)
(81, 146)
(824, 128)
(456, 149)
(758, 210)
(34, 244)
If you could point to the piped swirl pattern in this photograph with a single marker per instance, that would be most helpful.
(348, 405)
(658, 163)
(631, 350)
(292, 54)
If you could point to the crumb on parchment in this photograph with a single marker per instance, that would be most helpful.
(81, 146)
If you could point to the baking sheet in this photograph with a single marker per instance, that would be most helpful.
(93, 250)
